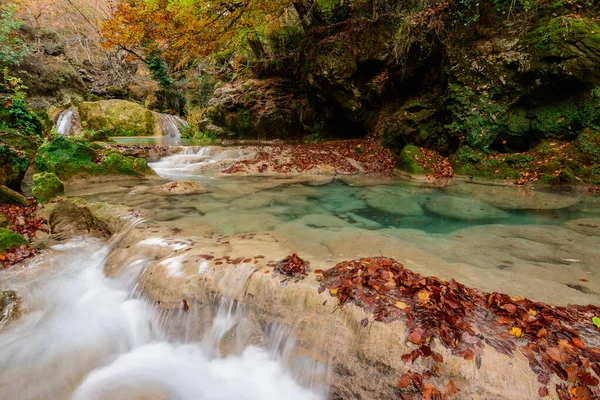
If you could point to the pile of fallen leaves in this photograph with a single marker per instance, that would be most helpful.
(307, 157)
(438, 165)
(292, 267)
(24, 221)
(561, 341)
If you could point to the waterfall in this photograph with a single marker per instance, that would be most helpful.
(171, 125)
(90, 337)
(64, 123)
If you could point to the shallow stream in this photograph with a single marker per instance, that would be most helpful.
(85, 336)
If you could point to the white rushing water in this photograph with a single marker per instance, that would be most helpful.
(64, 123)
(85, 337)
(192, 162)
(171, 125)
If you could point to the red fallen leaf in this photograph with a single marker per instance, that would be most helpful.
(246, 260)
(543, 391)
(584, 393)
(406, 358)
(542, 332)
(430, 392)
(578, 343)
(437, 357)
(364, 322)
(415, 338)
(451, 389)
(511, 308)
(405, 380)
(184, 305)
(417, 379)
(556, 355)
(318, 271)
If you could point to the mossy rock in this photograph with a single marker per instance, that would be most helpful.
(21, 141)
(47, 187)
(573, 42)
(407, 160)
(119, 118)
(12, 167)
(69, 158)
(10, 240)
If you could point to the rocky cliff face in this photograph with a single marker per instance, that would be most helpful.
(487, 86)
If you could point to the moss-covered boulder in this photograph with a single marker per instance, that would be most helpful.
(10, 240)
(47, 186)
(12, 167)
(70, 158)
(119, 118)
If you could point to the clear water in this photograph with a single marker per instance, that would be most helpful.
(156, 141)
(504, 239)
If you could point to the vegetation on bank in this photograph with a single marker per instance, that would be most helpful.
(71, 158)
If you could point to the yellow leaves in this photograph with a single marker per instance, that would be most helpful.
(400, 304)
(516, 332)
(334, 291)
(532, 312)
(423, 296)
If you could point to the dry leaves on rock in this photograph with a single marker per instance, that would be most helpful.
(559, 341)
(292, 267)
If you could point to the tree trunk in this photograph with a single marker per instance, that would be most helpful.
(309, 13)
(257, 47)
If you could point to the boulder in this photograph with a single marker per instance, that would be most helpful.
(47, 186)
(75, 216)
(10, 240)
(9, 307)
(120, 118)
(12, 167)
(463, 208)
(9, 196)
(71, 158)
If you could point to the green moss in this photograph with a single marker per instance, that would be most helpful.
(69, 158)
(10, 240)
(118, 118)
(476, 118)
(12, 167)
(589, 142)
(21, 141)
(476, 163)
(407, 161)
(47, 186)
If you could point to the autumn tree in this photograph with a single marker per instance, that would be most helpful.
(12, 48)
(181, 31)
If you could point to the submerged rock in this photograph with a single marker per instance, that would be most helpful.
(584, 226)
(463, 208)
(181, 187)
(403, 206)
(10, 240)
(322, 221)
(47, 186)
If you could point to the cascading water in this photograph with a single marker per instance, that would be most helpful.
(64, 123)
(85, 336)
(193, 161)
(171, 125)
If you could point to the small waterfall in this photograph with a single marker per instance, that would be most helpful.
(64, 123)
(171, 125)
(90, 337)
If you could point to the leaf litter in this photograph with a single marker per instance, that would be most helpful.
(559, 341)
